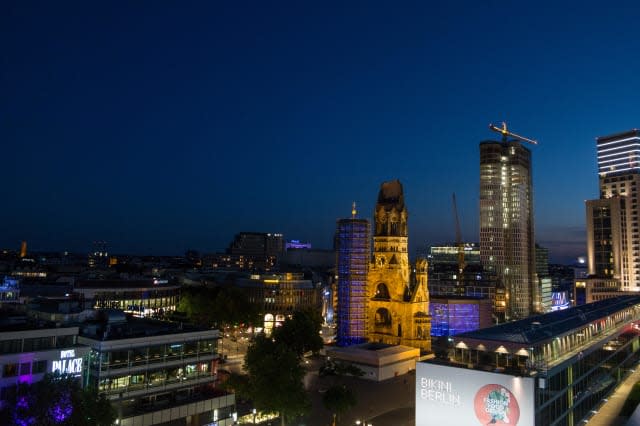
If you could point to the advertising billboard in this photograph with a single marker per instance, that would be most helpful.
(459, 396)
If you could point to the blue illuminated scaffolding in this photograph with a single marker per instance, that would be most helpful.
(353, 252)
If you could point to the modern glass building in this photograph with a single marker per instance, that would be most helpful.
(555, 367)
(604, 237)
(352, 242)
(457, 314)
(506, 222)
(445, 256)
(156, 372)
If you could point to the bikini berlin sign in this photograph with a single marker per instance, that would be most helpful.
(460, 396)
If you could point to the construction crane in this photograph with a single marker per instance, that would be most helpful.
(459, 242)
(506, 133)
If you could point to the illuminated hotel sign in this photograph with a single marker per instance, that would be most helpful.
(68, 363)
(460, 396)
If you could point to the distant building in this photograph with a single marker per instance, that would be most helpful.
(456, 314)
(152, 297)
(506, 222)
(279, 295)
(445, 278)
(308, 258)
(398, 302)
(613, 240)
(257, 250)
(593, 289)
(99, 255)
(297, 244)
(352, 264)
(9, 290)
(604, 237)
(444, 257)
(543, 291)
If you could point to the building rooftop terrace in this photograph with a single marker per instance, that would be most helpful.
(539, 328)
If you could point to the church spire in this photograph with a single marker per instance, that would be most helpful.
(353, 210)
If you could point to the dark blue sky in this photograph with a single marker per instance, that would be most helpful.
(161, 126)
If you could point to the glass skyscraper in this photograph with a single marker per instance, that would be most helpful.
(506, 223)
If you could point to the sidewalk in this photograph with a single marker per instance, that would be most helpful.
(608, 413)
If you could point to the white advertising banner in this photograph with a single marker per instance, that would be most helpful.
(459, 396)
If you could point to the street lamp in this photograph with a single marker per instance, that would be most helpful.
(254, 416)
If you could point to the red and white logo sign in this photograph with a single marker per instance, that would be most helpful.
(496, 405)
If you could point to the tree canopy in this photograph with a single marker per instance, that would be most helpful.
(301, 332)
(339, 399)
(274, 381)
(217, 306)
(57, 400)
(273, 363)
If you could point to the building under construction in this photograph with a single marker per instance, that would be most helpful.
(352, 251)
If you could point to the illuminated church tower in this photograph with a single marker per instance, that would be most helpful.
(398, 308)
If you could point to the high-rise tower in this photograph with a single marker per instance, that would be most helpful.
(398, 302)
(613, 221)
(506, 223)
(352, 260)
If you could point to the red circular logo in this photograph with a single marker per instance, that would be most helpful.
(496, 405)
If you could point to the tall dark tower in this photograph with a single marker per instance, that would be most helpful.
(506, 223)
(352, 261)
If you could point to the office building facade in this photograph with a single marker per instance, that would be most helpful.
(156, 372)
(613, 235)
(506, 223)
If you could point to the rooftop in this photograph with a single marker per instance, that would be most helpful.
(539, 328)
(620, 135)
(114, 325)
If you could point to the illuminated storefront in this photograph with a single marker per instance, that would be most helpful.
(142, 298)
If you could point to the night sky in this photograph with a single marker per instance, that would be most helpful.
(161, 126)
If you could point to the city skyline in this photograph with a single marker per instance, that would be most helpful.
(159, 129)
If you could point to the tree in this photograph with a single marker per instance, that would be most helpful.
(197, 303)
(338, 399)
(274, 382)
(232, 306)
(301, 332)
(57, 400)
(218, 306)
